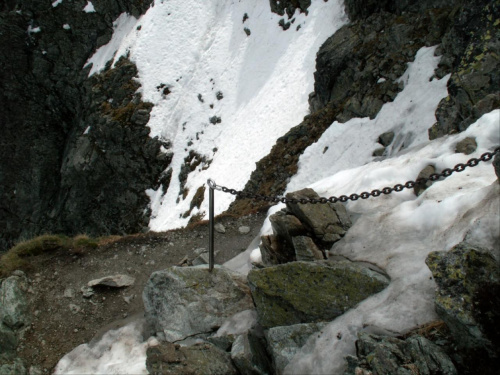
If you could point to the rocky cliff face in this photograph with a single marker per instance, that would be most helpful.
(379, 42)
(75, 155)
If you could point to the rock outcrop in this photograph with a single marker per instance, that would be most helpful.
(468, 279)
(76, 156)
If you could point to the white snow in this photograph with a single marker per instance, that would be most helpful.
(56, 3)
(119, 351)
(123, 26)
(89, 8)
(34, 30)
(66, 26)
(200, 47)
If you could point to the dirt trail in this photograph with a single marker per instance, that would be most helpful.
(63, 319)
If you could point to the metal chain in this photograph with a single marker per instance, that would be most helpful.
(364, 195)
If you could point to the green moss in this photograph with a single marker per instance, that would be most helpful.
(18, 256)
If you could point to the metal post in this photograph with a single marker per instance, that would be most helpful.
(211, 256)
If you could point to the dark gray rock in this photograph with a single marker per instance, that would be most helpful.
(466, 146)
(204, 358)
(496, 165)
(284, 342)
(389, 355)
(424, 173)
(275, 250)
(468, 279)
(249, 354)
(185, 301)
(289, 6)
(329, 223)
(55, 179)
(386, 138)
(310, 292)
(379, 152)
(286, 226)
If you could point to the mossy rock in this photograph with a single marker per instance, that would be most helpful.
(306, 292)
(462, 275)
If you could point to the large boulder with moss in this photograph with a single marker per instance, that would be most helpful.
(186, 301)
(390, 355)
(307, 292)
(468, 286)
(284, 342)
(203, 358)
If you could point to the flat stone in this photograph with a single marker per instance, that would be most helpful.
(116, 281)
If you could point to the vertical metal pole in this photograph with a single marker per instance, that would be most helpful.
(211, 229)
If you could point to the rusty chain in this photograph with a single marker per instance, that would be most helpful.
(364, 195)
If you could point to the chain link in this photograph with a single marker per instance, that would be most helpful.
(487, 156)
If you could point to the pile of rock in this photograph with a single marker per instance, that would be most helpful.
(261, 322)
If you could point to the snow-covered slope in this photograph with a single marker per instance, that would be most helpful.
(201, 48)
(197, 49)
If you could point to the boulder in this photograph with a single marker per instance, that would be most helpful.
(203, 358)
(15, 367)
(284, 342)
(13, 301)
(466, 146)
(328, 222)
(424, 173)
(309, 292)
(185, 301)
(249, 354)
(116, 281)
(468, 280)
(306, 249)
(389, 355)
